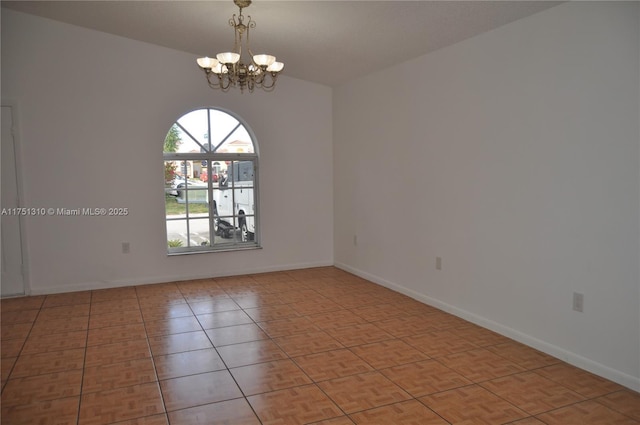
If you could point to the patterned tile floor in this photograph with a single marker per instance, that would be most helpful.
(316, 346)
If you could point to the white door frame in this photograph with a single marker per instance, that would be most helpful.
(20, 187)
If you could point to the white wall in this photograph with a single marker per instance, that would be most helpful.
(513, 156)
(94, 110)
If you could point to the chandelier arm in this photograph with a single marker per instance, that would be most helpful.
(230, 71)
(250, 24)
(259, 77)
(225, 82)
(212, 84)
(274, 77)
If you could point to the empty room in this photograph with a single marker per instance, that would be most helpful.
(320, 212)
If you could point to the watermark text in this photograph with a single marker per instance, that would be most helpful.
(64, 212)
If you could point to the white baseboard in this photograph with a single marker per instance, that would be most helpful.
(148, 280)
(574, 359)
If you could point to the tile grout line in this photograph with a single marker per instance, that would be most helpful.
(153, 362)
(348, 348)
(22, 346)
(228, 370)
(84, 359)
(313, 381)
(374, 369)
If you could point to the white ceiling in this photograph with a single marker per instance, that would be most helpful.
(328, 42)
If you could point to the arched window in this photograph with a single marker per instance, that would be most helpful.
(211, 183)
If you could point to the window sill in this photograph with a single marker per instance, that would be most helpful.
(214, 250)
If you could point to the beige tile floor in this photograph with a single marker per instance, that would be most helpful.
(316, 346)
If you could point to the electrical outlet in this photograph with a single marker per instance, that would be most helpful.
(578, 302)
(438, 263)
(126, 248)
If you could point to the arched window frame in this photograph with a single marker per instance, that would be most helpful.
(231, 221)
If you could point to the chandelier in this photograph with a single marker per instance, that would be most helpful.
(229, 70)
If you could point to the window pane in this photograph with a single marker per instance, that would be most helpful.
(247, 228)
(223, 198)
(243, 199)
(171, 189)
(242, 173)
(176, 234)
(222, 126)
(170, 172)
(199, 231)
(195, 193)
(194, 132)
(238, 142)
(173, 139)
(172, 207)
(225, 230)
